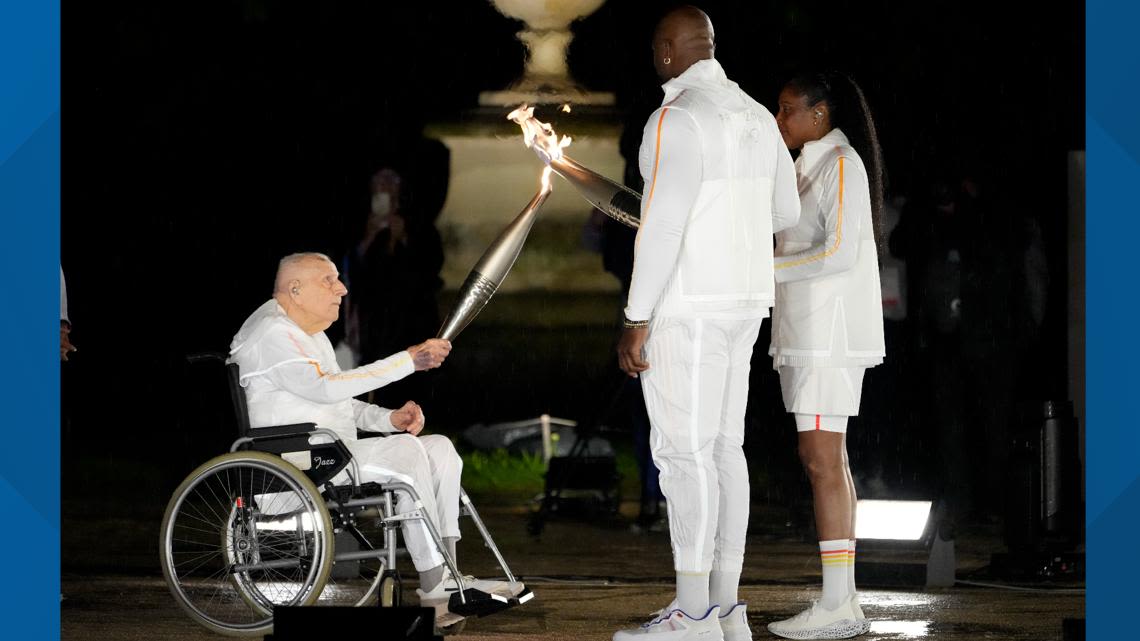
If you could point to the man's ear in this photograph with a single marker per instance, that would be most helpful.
(295, 287)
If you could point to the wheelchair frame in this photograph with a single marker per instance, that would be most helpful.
(259, 453)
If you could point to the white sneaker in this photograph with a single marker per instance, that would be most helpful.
(734, 623)
(439, 597)
(817, 622)
(675, 625)
(859, 616)
(501, 588)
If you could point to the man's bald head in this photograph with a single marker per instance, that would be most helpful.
(308, 288)
(683, 37)
(295, 267)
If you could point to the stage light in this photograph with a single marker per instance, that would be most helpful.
(892, 520)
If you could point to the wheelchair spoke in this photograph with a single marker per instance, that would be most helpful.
(214, 494)
(208, 558)
(182, 528)
(199, 516)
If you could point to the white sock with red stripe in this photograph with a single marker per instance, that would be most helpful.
(833, 556)
(851, 567)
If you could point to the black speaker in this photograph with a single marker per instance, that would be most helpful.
(307, 623)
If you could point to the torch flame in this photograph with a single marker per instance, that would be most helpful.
(538, 135)
(546, 188)
(566, 107)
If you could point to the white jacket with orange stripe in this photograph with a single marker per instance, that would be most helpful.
(292, 377)
(829, 310)
(718, 182)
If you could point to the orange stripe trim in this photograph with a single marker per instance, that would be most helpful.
(838, 232)
(834, 552)
(368, 374)
(656, 160)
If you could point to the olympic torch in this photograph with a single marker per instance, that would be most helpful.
(493, 266)
(616, 201)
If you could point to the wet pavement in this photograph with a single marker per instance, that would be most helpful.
(593, 578)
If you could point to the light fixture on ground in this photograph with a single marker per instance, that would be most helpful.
(892, 520)
(898, 546)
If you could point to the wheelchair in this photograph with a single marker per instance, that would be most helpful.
(263, 526)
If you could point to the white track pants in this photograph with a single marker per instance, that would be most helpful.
(696, 391)
(431, 466)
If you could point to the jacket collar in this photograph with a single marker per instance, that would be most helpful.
(814, 150)
(703, 74)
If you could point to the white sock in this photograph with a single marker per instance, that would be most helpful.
(851, 568)
(693, 593)
(833, 557)
(449, 543)
(429, 579)
(723, 589)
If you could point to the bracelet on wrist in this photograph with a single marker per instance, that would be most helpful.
(632, 324)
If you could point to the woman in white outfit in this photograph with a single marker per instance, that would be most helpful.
(827, 325)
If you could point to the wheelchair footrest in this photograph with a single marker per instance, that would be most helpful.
(482, 604)
(478, 603)
(523, 597)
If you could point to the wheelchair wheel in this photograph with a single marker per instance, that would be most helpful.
(391, 590)
(243, 533)
(355, 582)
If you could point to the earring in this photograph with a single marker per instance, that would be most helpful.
(667, 60)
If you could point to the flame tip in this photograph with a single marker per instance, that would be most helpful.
(542, 134)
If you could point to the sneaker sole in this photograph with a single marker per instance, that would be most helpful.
(844, 629)
(736, 635)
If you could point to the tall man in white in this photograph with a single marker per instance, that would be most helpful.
(719, 182)
(290, 375)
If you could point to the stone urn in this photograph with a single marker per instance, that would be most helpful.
(546, 78)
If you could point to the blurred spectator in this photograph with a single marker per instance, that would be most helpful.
(65, 346)
(393, 272)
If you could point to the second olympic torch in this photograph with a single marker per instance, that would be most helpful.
(493, 266)
(616, 201)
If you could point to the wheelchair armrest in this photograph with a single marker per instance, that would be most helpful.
(257, 433)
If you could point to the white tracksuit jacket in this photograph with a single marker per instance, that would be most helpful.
(719, 181)
(293, 377)
(829, 310)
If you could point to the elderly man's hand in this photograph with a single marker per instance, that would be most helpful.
(629, 351)
(430, 353)
(409, 418)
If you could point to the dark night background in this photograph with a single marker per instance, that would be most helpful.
(204, 140)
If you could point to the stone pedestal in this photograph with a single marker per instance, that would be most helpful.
(493, 176)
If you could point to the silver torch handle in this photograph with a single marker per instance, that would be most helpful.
(616, 201)
(492, 268)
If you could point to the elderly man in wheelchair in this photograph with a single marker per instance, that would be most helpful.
(301, 511)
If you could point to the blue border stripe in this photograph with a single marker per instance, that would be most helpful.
(29, 255)
(1112, 130)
